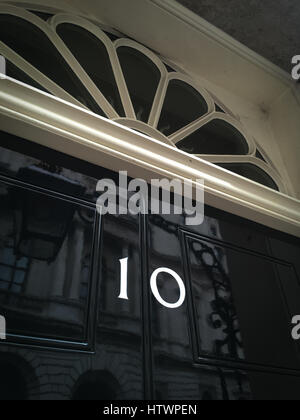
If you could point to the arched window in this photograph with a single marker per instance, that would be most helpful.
(74, 59)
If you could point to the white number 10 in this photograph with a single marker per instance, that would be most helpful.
(153, 284)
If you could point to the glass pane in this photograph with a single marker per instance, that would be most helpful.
(4, 285)
(15, 73)
(253, 172)
(142, 78)
(19, 277)
(22, 263)
(42, 15)
(91, 53)
(260, 156)
(113, 37)
(183, 105)
(5, 273)
(7, 256)
(219, 109)
(217, 137)
(16, 288)
(33, 45)
(169, 68)
(59, 248)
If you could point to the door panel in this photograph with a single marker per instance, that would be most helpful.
(46, 265)
(119, 344)
(245, 300)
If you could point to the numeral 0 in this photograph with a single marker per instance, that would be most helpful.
(153, 284)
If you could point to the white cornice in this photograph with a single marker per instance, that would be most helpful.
(209, 30)
(44, 119)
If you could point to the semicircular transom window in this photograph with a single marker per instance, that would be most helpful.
(119, 79)
(32, 44)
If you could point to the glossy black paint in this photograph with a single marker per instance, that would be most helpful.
(70, 337)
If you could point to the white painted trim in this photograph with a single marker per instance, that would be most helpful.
(184, 78)
(123, 42)
(66, 54)
(50, 31)
(248, 159)
(43, 8)
(144, 128)
(296, 92)
(54, 123)
(57, 20)
(36, 75)
(194, 126)
(221, 105)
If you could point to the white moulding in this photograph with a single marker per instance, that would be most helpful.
(52, 122)
(2, 67)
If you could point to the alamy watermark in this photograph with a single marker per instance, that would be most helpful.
(296, 328)
(296, 68)
(162, 196)
(2, 328)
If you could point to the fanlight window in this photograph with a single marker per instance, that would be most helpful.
(74, 59)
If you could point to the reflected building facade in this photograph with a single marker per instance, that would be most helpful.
(70, 337)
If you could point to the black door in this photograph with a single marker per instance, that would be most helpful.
(206, 312)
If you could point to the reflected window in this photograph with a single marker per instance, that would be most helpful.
(217, 137)
(142, 78)
(13, 270)
(33, 45)
(252, 172)
(92, 54)
(183, 105)
(40, 226)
